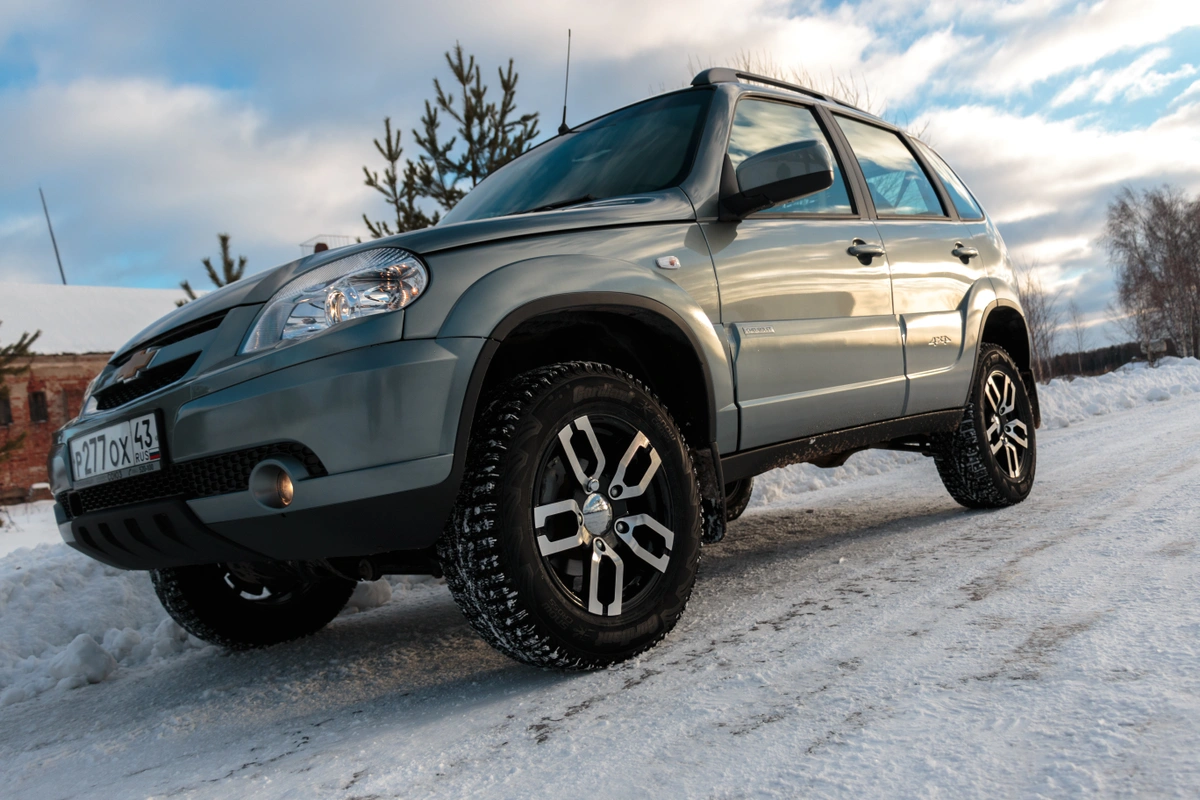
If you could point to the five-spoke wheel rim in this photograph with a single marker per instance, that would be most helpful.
(1007, 433)
(602, 514)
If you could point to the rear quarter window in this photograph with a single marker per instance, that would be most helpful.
(960, 195)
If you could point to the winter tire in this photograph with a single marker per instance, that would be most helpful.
(737, 497)
(990, 461)
(223, 606)
(576, 536)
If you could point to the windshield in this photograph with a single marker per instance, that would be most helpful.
(643, 148)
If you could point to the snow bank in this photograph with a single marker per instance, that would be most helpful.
(1063, 403)
(27, 525)
(66, 621)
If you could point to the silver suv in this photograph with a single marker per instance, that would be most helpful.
(558, 393)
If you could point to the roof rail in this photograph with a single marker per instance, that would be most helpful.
(726, 75)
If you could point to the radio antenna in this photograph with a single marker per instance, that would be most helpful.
(563, 127)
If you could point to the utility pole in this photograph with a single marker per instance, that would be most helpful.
(54, 242)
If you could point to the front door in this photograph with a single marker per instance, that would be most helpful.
(816, 345)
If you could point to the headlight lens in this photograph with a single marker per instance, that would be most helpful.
(366, 283)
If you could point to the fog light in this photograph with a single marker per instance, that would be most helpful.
(272, 483)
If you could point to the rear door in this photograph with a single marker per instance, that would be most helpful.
(815, 343)
(980, 235)
(933, 264)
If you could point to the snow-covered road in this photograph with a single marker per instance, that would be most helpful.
(867, 639)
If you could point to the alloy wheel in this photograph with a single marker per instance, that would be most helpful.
(602, 514)
(1007, 434)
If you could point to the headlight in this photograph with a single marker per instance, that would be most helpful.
(90, 405)
(366, 283)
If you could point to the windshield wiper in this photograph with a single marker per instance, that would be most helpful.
(559, 204)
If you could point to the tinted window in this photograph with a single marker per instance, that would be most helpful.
(898, 184)
(643, 148)
(959, 194)
(761, 125)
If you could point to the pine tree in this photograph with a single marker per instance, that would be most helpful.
(14, 361)
(230, 270)
(402, 197)
(487, 136)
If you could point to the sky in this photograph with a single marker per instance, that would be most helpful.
(153, 126)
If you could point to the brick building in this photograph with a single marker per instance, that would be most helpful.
(81, 327)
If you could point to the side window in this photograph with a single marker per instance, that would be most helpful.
(898, 184)
(761, 125)
(5, 411)
(959, 194)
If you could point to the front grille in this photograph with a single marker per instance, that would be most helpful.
(149, 381)
(187, 331)
(204, 477)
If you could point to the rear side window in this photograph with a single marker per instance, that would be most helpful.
(762, 125)
(898, 185)
(959, 194)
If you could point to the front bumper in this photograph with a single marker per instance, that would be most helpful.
(378, 429)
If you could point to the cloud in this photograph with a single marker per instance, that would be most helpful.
(1039, 50)
(1022, 166)
(1133, 82)
(1191, 91)
(164, 168)
(153, 126)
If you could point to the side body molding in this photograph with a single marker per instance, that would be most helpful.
(495, 304)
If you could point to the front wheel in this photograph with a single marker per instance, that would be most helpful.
(231, 606)
(576, 536)
(989, 462)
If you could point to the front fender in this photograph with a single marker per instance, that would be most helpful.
(503, 298)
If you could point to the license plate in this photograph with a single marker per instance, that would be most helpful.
(118, 451)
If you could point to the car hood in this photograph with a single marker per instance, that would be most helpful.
(670, 205)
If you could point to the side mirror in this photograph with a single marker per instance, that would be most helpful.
(775, 176)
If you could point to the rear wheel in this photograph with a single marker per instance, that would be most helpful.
(737, 497)
(576, 536)
(990, 461)
(231, 606)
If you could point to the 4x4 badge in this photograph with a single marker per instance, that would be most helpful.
(937, 341)
(136, 364)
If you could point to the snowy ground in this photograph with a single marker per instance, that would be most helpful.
(857, 634)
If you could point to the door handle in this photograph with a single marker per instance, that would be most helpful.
(965, 253)
(864, 252)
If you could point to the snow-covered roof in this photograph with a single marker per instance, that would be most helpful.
(79, 319)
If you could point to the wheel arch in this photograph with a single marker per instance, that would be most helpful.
(1004, 325)
(608, 327)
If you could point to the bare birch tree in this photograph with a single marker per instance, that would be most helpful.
(1078, 327)
(1042, 316)
(1152, 239)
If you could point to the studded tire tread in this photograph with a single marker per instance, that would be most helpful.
(962, 456)
(469, 549)
(198, 600)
